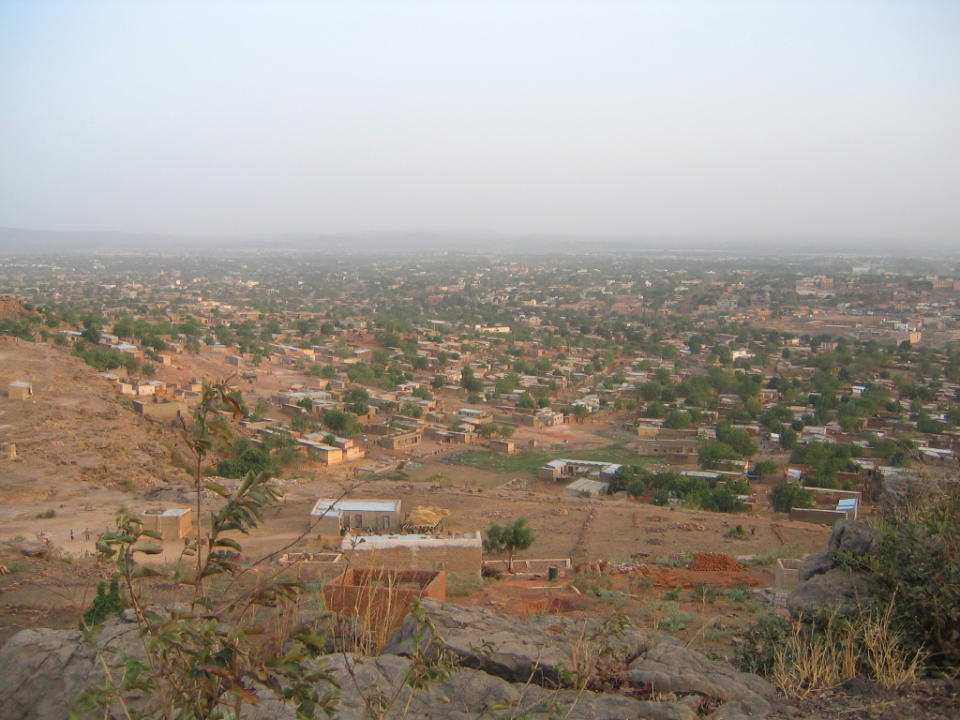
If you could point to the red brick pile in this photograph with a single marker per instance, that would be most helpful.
(713, 562)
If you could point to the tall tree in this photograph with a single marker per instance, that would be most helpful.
(509, 538)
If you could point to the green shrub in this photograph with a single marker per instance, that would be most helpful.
(107, 602)
(785, 496)
(739, 593)
(757, 651)
(673, 594)
(704, 593)
(917, 569)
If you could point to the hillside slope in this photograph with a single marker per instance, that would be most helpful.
(74, 433)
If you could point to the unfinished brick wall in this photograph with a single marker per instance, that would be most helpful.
(821, 517)
(382, 597)
(462, 560)
(786, 579)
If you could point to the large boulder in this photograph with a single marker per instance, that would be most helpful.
(853, 538)
(825, 584)
(543, 649)
(815, 564)
(838, 589)
(671, 667)
(43, 671)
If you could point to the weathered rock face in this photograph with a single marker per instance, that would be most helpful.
(495, 665)
(815, 564)
(837, 589)
(43, 671)
(380, 683)
(826, 585)
(562, 652)
(852, 537)
(541, 648)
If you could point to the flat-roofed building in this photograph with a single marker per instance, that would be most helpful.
(562, 468)
(460, 553)
(585, 487)
(19, 390)
(171, 523)
(331, 516)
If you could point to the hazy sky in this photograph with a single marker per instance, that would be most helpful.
(713, 118)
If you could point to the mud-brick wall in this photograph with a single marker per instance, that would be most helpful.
(454, 559)
(822, 517)
(366, 594)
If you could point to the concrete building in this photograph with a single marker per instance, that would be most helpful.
(563, 468)
(401, 440)
(460, 553)
(586, 486)
(172, 523)
(327, 454)
(19, 390)
(331, 516)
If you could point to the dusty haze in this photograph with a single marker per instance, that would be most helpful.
(765, 120)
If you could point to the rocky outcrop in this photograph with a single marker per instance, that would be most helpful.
(558, 652)
(381, 683)
(43, 671)
(487, 665)
(838, 589)
(854, 538)
(826, 583)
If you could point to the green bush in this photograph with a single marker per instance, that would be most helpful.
(785, 496)
(757, 651)
(917, 569)
(107, 602)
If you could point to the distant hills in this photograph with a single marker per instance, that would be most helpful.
(21, 242)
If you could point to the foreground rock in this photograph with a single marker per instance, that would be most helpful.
(43, 671)
(484, 665)
(557, 652)
(827, 586)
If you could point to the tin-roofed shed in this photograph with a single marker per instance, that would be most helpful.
(330, 516)
(19, 390)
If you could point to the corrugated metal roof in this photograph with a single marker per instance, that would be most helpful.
(333, 508)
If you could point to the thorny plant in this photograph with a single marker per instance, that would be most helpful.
(205, 661)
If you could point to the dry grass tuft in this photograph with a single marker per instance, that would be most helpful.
(890, 664)
(843, 649)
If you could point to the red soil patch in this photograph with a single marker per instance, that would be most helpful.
(714, 562)
(683, 577)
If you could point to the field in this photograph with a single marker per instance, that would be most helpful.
(531, 460)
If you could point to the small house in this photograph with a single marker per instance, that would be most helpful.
(19, 390)
(330, 516)
(585, 487)
(171, 523)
